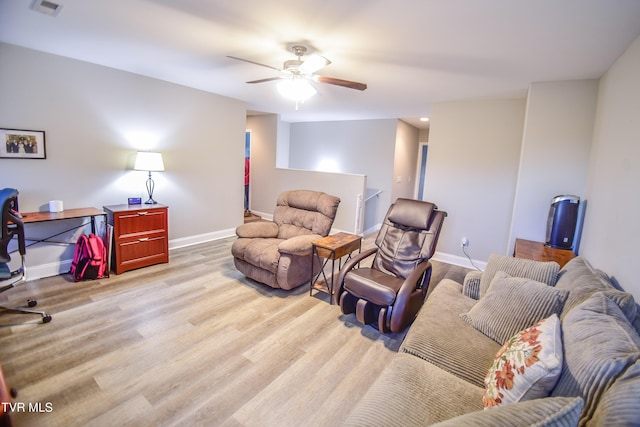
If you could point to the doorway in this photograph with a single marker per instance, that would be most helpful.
(247, 173)
(422, 169)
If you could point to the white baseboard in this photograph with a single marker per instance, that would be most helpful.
(264, 215)
(201, 238)
(459, 261)
(47, 270)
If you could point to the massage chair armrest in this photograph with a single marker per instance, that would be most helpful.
(299, 245)
(409, 284)
(258, 229)
(409, 298)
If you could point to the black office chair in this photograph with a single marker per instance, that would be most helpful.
(393, 289)
(12, 226)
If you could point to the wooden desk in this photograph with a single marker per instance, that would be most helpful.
(332, 248)
(34, 217)
(538, 251)
(30, 217)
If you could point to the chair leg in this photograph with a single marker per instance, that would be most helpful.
(383, 320)
(347, 303)
(46, 318)
(365, 312)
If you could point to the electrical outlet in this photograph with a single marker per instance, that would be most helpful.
(464, 242)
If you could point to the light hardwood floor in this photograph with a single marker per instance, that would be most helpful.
(192, 342)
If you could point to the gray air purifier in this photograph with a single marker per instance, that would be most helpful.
(562, 221)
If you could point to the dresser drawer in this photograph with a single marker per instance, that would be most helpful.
(142, 251)
(131, 224)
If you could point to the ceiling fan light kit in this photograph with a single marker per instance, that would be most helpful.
(296, 73)
(296, 89)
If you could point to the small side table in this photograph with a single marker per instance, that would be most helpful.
(333, 248)
(538, 251)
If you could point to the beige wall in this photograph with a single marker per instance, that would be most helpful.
(611, 230)
(472, 167)
(404, 161)
(555, 152)
(95, 119)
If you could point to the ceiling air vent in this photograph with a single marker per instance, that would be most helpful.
(47, 7)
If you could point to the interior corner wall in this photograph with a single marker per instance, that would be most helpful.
(363, 147)
(95, 119)
(611, 229)
(555, 152)
(405, 160)
(424, 135)
(474, 151)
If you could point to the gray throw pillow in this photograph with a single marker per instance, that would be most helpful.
(545, 272)
(619, 404)
(513, 304)
(599, 345)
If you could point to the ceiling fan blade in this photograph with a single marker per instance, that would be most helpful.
(313, 63)
(253, 62)
(269, 79)
(339, 82)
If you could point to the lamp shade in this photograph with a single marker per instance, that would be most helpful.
(147, 161)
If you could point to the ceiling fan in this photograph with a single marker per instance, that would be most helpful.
(304, 68)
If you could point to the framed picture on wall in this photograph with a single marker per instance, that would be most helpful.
(22, 144)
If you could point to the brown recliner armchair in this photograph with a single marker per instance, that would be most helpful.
(393, 289)
(278, 253)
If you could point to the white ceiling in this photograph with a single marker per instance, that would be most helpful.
(411, 53)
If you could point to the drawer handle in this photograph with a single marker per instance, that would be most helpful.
(143, 213)
(143, 239)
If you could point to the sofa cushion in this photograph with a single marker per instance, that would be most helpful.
(430, 337)
(582, 280)
(545, 272)
(412, 392)
(599, 345)
(512, 304)
(618, 406)
(548, 412)
(262, 253)
(528, 365)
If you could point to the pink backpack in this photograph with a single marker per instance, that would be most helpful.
(89, 258)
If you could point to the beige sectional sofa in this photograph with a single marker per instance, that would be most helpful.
(570, 356)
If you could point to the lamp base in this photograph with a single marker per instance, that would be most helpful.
(150, 185)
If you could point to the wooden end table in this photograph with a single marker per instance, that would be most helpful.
(333, 248)
(538, 251)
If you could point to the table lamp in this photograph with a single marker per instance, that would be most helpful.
(151, 162)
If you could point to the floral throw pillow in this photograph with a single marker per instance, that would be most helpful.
(527, 366)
